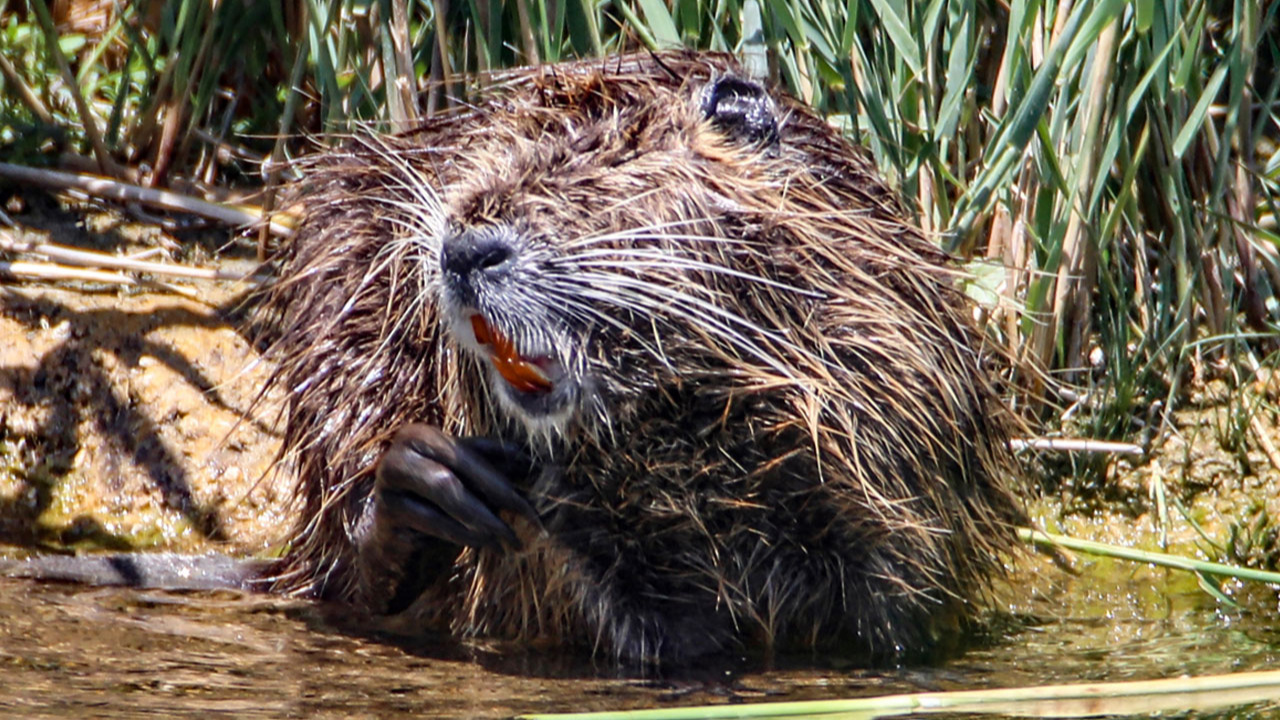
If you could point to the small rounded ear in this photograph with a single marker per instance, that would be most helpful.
(741, 109)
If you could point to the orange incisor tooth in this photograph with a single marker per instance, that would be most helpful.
(518, 372)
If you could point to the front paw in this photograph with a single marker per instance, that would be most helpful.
(452, 488)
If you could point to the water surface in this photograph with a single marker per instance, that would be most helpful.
(68, 651)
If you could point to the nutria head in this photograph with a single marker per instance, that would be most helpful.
(575, 241)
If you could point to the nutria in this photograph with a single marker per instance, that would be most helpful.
(633, 355)
(638, 356)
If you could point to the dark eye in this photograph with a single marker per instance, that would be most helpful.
(741, 109)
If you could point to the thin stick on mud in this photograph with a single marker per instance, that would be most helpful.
(1076, 445)
(92, 259)
(53, 271)
(105, 188)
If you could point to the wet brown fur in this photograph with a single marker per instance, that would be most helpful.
(802, 451)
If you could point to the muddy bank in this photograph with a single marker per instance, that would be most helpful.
(1210, 486)
(130, 417)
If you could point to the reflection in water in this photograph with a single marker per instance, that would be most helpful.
(71, 651)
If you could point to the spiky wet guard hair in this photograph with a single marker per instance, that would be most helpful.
(783, 432)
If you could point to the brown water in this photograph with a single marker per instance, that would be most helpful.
(70, 651)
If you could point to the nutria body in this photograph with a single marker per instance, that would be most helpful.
(688, 324)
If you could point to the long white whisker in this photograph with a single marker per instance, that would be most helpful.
(709, 314)
(653, 234)
(408, 178)
(662, 261)
(572, 297)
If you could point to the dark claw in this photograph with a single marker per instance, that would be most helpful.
(506, 458)
(471, 458)
(419, 480)
(444, 487)
(494, 485)
(406, 511)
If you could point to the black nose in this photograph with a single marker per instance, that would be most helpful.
(474, 254)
